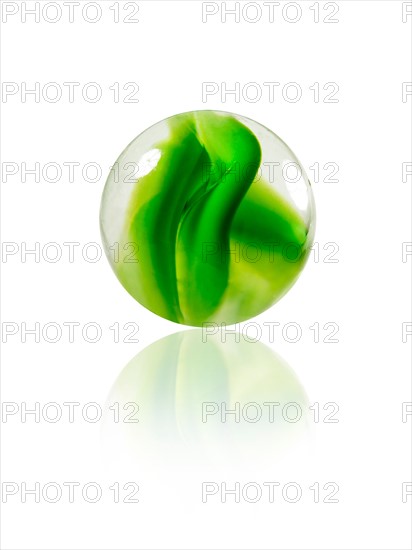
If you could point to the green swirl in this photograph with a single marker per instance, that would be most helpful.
(193, 213)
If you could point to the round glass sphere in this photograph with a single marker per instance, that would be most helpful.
(207, 216)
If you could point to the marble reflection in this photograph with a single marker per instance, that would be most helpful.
(201, 399)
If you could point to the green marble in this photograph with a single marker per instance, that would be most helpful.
(211, 235)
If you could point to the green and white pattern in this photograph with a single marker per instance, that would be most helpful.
(207, 217)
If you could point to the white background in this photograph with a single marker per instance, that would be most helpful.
(169, 53)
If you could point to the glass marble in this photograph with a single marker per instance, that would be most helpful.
(207, 216)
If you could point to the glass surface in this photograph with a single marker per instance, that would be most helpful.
(208, 398)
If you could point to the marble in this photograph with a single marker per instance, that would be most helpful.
(207, 216)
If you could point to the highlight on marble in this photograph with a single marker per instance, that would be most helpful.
(207, 216)
(197, 401)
